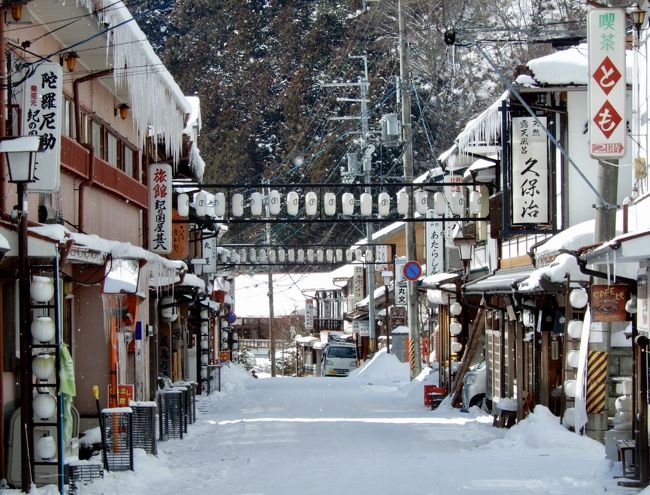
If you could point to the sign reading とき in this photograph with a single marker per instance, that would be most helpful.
(41, 116)
(160, 208)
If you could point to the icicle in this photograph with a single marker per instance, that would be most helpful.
(609, 279)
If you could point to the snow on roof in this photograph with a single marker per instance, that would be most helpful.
(479, 164)
(381, 233)
(191, 280)
(159, 106)
(194, 120)
(564, 265)
(379, 293)
(345, 271)
(400, 330)
(197, 165)
(576, 236)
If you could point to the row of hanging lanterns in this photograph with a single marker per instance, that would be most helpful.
(214, 205)
(291, 255)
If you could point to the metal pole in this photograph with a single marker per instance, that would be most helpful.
(405, 83)
(386, 320)
(271, 316)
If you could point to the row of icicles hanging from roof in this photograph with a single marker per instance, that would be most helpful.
(214, 205)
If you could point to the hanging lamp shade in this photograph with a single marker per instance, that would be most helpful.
(311, 204)
(383, 204)
(347, 203)
(300, 256)
(282, 255)
(457, 203)
(310, 255)
(274, 202)
(439, 203)
(256, 204)
(293, 203)
(366, 204)
(220, 204)
(329, 204)
(421, 202)
(320, 257)
(402, 203)
(201, 203)
(291, 255)
(237, 205)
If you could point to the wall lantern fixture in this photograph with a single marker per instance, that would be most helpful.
(71, 60)
(20, 152)
(122, 110)
(637, 14)
(464, 244)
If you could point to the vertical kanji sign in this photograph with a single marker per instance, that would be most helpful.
(160, 208)
(41, 116)
(434, 245)
(530, 184)
(606, 42)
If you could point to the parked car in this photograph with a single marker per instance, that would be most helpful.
(475, 387)
(339, 359)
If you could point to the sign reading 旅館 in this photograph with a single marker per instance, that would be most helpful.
(160, 208)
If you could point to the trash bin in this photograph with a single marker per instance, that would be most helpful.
(434, 395)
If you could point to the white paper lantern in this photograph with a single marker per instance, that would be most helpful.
(455, 328)
(168, 310)
(456, 347)
(205, 359)
(366, 204)
(252, 255)
(235, 346)
(455, 308)
(291, 255)
(349, 255)
(569, 419)
(475, 202)
(320, 256)
(235, 336)
(383, 204)
(205, 344)
(43, 366)
(220, 204)
(261, 255)
(201, 203)
(578, 298)
(275, 202)
(41, 289)
(42, 329)
(224, 335)
(457, 203)
(237, 205)
(224, 346)
(256, 204)
(300, 256)
(574, 329)
(439, 203)
(46, 447)
(204, 329)
(570, 388)
(204, 373)
(183, 204)
(572, 358)
(310, 255)
(282, 255)
(44, 406)
(204, 314)
(402, 203)
(235, 356)
(329, 255)
(311, 204)
(347, 203)
(329, 204)
(272, 256)
(421, 202)
(243, 255)
(293, 203)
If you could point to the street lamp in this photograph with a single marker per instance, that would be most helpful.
(637, 14)
(387, 276)
(465, 243)
(20, 152)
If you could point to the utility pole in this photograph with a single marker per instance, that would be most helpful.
(270, 283)
(412, 294)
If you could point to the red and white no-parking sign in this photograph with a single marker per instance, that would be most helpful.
(412, 270)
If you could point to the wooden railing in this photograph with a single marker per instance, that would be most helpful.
(74, 160)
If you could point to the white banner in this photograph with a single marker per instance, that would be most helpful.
(160, 208)
(310, 312)
(530, 182)
(434, 245)
(41, 116)
(606, 47)
(210, 253)
(358, 283)
(381, 258)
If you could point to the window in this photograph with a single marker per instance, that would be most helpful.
(111, 155)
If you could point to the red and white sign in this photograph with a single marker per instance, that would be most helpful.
(41, 116)
(606, 41)
(160, 208)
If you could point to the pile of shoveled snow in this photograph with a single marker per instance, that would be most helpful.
(234, 377)
(383, 368)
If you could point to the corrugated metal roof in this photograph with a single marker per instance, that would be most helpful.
(500, 282)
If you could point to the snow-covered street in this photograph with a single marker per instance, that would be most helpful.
(364, 434)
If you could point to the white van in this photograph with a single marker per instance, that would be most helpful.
(339, 359)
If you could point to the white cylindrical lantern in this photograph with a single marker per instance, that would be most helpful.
(329, 255)
(311, 204)
(252, 255)
(572, 358)
(300, 256)
(456, 347)
(211, 211)
(358, 255)
(46, 447)
(366, 204)
(474, 202)
(569, 419)
(41, 289)
(578, 298)
(272, 256)
(310, 255)
(204, 373)
(256, 204)
(574, 329)
(235, 336)
(235, 356)
(205, 344)
(44, 406)
(402, 203)
(220, 204)
(43, 366)
(275, 202)
(291, 255)
(224, 346)
(237, 205)
(204, 329)
(183, 204)
(383, 204)
(455, 308)
(570, 388)
(370, 255)
(349, 255)
(201, 203)
(457, 203)
(43, 328)
(329, 204)
(282, 255)
(243, 255)
(320, 256)
(261, 255)
(235, 346)
(455, 328)
(339, 255)
(224, 335)
(347, 203)
(168, 310)
(293, 203)
(421, 202)
(205, 359)
(204, 315)
(439, 203)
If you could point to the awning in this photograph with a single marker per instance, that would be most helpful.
(548, 278)
(434, 280)
(625, 248)
(500, 282)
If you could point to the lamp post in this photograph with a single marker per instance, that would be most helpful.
(20, 153)
(387, 276)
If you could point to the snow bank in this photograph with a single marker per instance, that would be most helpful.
(383, 368)
(234, 377)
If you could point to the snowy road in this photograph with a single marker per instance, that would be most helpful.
(345, 436)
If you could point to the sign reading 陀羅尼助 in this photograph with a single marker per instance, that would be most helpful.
(160, 208)
(530, 184)
(41, 116)
(607, 86)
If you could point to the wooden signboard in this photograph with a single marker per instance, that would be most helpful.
(608, 302)
(180, 239)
